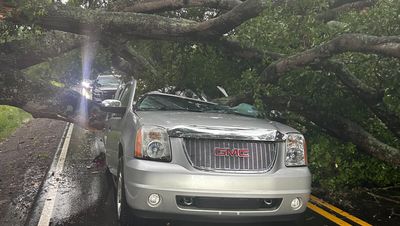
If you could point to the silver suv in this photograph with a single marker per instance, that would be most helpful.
(179, 158)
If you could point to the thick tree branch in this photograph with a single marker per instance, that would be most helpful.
(360, 89)
(168, 5)
(338, 126)
(235, 48)
(87, 22)
(226, 22)
(131, 62)
(24, 53)
(371, 97)
(331, 14)
(126, 59)
(44, 100)
(385, 45)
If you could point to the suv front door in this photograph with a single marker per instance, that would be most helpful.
(113, 130)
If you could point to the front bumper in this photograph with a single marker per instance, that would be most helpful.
(169, 180)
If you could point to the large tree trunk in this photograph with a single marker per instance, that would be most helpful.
(87, 22)
(43, 100)
(20, 54)
(168, 5)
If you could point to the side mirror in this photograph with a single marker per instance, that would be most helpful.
(112, 106)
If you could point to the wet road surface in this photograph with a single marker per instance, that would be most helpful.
(85, 192)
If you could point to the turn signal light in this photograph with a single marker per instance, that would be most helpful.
(138, 144)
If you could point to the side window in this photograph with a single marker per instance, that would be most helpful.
(124, 98)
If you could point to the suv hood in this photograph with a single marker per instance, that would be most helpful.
(214, 125)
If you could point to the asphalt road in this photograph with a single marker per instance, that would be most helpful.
(82, 193)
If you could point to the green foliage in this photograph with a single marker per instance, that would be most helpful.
(337, 166)
(33, 9)
(382, 19)
(188, 65)
(288, 30)
(10, 119)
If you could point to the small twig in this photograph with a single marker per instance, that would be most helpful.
(383, 198)
(386, 188)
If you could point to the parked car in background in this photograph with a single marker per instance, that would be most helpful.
(104, 87)
(180, 158)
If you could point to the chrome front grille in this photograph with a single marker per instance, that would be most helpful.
(203, 154)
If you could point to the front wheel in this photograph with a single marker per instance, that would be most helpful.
(125, 218)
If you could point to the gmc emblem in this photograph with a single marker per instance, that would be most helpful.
(242, 153)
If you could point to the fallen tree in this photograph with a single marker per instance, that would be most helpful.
(117, 25)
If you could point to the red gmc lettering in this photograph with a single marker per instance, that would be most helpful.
(243, 153)
(220, 151)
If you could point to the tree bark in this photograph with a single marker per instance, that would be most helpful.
(20, 54)
(385, 45)
(235, 48)
(44, 100)
(131, 62)
(168, 5)
(87, 22)
(333, 13)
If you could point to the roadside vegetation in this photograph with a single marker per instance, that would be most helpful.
(10, 119)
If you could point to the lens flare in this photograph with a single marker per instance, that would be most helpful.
(88, 53)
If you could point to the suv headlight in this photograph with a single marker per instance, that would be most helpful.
(152, 143)
(296, 150)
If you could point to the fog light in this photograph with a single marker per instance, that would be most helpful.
(296, 203)
(268, 202)
(188, 201)
(154, 200)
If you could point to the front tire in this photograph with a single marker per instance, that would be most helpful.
(125, 217)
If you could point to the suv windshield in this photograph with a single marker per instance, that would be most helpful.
(175, 103)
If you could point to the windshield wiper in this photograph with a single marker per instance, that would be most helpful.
(169, 109)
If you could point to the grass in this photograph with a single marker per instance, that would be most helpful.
(10, 119)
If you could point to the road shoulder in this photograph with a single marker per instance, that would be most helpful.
(24, 161)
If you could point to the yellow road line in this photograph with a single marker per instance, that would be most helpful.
(327, 215)
(339, 211)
